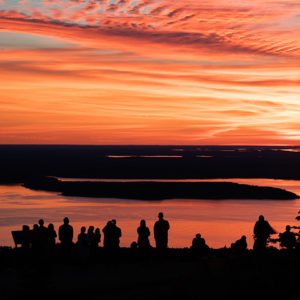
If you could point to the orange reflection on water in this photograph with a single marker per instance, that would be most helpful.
(219, 222)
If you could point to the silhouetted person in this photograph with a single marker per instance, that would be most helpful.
(199, 245)
(161, 228)
(65, 235)
(133, 245)
(198, 242)
(42, 237)
(97, 236)
(92, 241)
(262, 231)
(91, 235)
(287, 239)
(116, 234)
(83, 244)
(107, 232)
(143, 235)
(240, 245)
(51, 235)
(35, 238)
(26, 237)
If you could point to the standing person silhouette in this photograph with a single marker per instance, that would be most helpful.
(51, 240)
(116, 234)
(262, 231)
(65, 235)
(26, 237)
(83, 244)
(43, 236)
(161, 228)
(107, 232)
(92, 241)
(97, 237)
(143, 235)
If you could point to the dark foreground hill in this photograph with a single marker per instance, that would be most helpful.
(160, 190)
(173, 274)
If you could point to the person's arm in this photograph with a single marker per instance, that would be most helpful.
(255, 229)
(59, 233)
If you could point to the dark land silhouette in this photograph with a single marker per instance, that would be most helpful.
(18, 163)
(33, 165)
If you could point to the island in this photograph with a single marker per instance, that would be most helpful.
(151, 190)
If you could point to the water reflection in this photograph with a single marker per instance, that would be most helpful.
(220, 222)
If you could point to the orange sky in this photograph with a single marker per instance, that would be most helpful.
(150, 72)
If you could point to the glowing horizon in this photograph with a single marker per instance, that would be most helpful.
(113, 72)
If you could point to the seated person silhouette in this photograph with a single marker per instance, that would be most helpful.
(287, 239)
(161, 228)
(133, 245)
(199, 245)
(240, 245)
(262, 231)
(143, 235)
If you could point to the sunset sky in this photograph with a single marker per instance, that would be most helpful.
(150, 72)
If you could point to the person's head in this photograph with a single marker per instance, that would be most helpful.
(97, 230)
(243, 237)
(26, 228)
(66, 221)
(91, 229)
(114, 222)
(51, 226)
(160, 215)
(198, 235)
(41, 222)
(133, 245)
(35, 226)
(143, 223)
(82, 229)
(288, 228)
(261, 218)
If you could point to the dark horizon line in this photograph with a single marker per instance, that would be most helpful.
(150, 145)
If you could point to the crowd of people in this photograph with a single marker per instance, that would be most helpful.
(42, 238)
